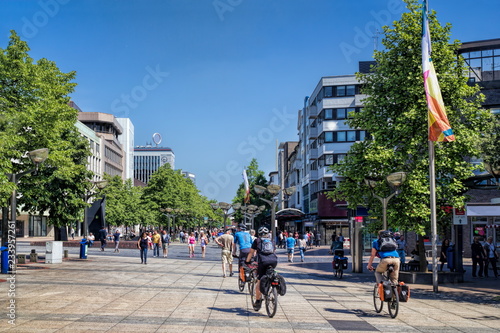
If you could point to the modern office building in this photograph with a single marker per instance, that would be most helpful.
(126, 139)
(483, 209)
(108, 129)
(148, 159)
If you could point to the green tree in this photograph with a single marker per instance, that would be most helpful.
(395, 116)
(170, 189)
(34, 113)
(255, 177)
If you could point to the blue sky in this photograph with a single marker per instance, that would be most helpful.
(220, 80)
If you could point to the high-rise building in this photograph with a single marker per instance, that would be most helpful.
(148, 159)
(127, 141)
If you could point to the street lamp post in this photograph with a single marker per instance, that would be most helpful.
(395, 180)
(273, 190)
(225, 207)
(37, 156)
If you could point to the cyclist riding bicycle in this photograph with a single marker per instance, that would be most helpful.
(386, 248)
(264, 247)
(244, 240)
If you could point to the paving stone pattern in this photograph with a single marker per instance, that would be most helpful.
(113, 292)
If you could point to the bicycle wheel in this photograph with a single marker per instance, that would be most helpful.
(393, 304)
(251, 291)
(272, 302)
(377, 302)
(340, 272)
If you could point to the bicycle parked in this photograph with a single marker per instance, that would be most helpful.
(390, 293)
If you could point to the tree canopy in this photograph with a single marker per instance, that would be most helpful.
(34, 113)
(395, 117)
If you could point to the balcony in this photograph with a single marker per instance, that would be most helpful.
(313, 133)
(313, 154)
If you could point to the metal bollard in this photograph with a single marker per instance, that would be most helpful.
(33, 257)
(21, 258)
(65, 253)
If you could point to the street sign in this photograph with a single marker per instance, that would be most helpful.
(459, 216)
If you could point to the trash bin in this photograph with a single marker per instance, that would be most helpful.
(5, 259)
(83, 249)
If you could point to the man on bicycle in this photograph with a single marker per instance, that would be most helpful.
(264, 247)
(244, 240)
(386, 248)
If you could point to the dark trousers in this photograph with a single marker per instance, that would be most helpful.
(493, 262)
(475, 262)
(144, 255)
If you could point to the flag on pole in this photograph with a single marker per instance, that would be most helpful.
(439, 127)
(247, 187)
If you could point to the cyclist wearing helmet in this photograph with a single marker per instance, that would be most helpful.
(244, 240)
(386, 248)
(265, 259)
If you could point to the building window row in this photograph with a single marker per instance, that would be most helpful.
(336, 91)
(112, 170)
(337, 114)
(484, 65)
(342, 136)
(330, 159)
(113, 156)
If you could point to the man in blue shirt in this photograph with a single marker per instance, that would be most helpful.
(244, 240)
(388, 256)
(290, 246)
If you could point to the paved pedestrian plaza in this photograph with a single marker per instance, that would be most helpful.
(113, 292)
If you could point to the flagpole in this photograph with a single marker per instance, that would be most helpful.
(432, 176)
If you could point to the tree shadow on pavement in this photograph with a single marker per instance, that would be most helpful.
(225, 291)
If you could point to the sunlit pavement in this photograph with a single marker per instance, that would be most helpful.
(113, 292)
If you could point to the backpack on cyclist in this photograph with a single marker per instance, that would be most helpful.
(266, 246)
(387, 243)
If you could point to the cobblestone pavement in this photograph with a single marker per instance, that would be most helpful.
(113, 292)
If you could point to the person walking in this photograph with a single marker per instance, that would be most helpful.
(318, 239)
(165, 242)
(442, 257)
(143, 245)
(400, 240)
(116, 238)
(191, 244)
(203, 243)
(302, 247)
(290, 247)
(226, 243)
(72, 233)
(103, 234)
(491, 257)
(477, 257)
(156, 239)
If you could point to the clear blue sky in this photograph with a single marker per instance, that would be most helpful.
(220, 80)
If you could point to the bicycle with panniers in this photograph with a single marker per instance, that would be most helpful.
(387, 289)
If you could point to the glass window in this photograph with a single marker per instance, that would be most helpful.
(487, 64)
(328, 136)
(475, 63)
(479, 227)
(475, 54)
(362, 135)
(341, 136)
(340, 157)
(340, 91)
(349, 110)
(328, 113)
(495, 111)
(329, 159)
(351, 135)
(496, 51)
(341, 114)
(328, 91)
(350, 90)
(487, 53)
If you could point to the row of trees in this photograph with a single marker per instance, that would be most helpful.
(395, 116)
(35, 113)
